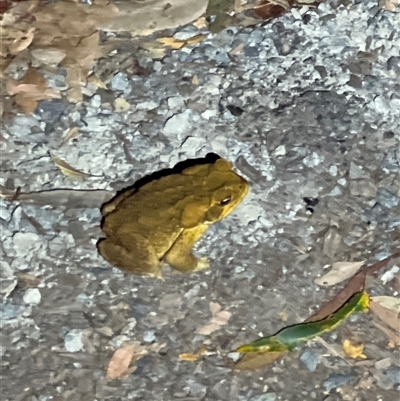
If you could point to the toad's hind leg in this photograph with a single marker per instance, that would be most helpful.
(131, 253)
(180, 256)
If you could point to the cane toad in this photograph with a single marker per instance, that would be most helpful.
(163, 219)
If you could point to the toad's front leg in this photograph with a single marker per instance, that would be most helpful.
(180, 256)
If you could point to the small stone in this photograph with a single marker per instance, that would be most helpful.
(95, 101)
(186, 33)
(179, 124)
(192, 292)
(355, 81)
(176, 102)
(73, 340)
(56, 81)
(251, 51)
(310, 359)
(209, 114)
(149, 105)
(235, 356)
(387, 198)
(313, 160)
(355, 171)
(25, 243)
(280, 150)
(286, 41)
(393, 374)
(333, 170)
(191, 145)
(390, 274)
(32, 296)
(336, 380)
(149, 336)
(363, 188)
(120, 82)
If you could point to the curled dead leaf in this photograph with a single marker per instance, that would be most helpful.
(122, 358)
(68, 170)
(219, 318)
(388, 310)
(340, 271)
(22, 42)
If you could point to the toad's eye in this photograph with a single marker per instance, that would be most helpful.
(225, 201)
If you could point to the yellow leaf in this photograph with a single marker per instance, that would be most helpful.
(352, 350)
(189, 357)
(68, 170)
(172, 42)
(194, 357)
(195, 39)
(177, 43)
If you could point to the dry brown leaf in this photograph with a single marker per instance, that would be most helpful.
(122, 358)
(388, 310)
(33, 77)
(23, 42)
(390, 5)
(74, 81)
(118, 366)
(219, 318)
(353, 350)
(27, 104)
(68, 170)
(30, 90)
(340, 271)
(356, 284)
(394, 336)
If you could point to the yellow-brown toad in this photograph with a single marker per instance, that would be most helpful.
(163, 219)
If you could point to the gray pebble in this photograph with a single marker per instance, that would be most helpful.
(310, 359)
(387, 198)
(73, 341)
(32, 296)
(120, 82)
(336, 380)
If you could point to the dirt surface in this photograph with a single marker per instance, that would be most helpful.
(308, 110)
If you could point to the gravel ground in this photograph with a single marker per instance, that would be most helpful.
(307, 106)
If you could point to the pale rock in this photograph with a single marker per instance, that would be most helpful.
(73, 341)
(32, 296)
